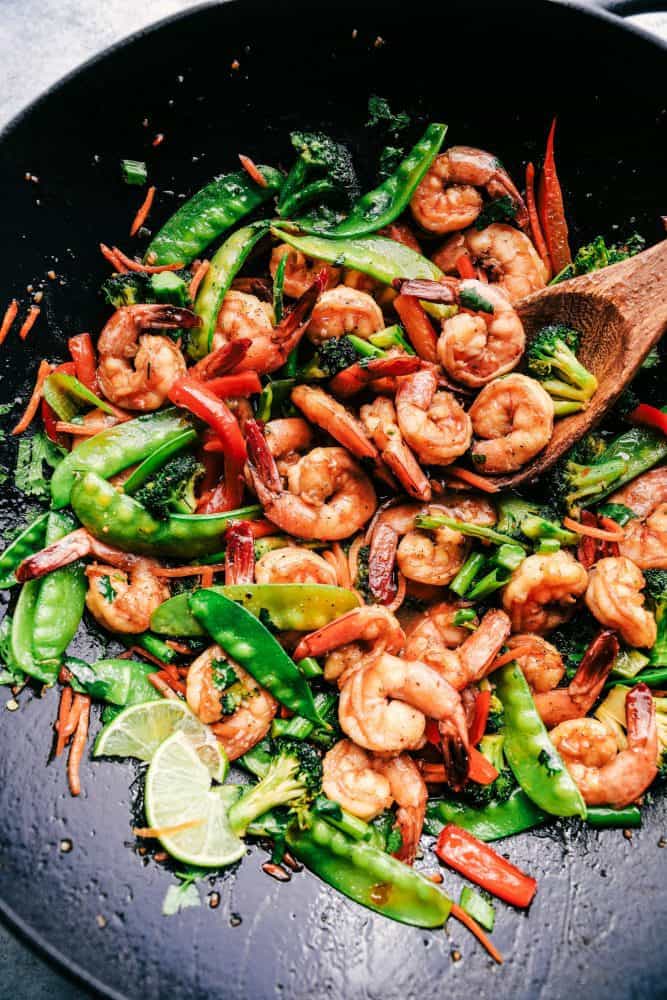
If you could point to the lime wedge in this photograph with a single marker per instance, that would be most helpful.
(140, 729)
(178, 790)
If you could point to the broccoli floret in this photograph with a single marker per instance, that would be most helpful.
(323, 170)
(656, 589)
(596, 254)
(500, 789)
(521, 518)
(380, 114)
(573, 639)
(496, 717)
(361, 583)
(293, 777)
(336, 354)
(584, 474)
(552, 359)
(172, 488)
(127, 289)
(512, 512)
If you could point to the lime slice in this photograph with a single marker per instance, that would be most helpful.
(178, 790)
(140, 729)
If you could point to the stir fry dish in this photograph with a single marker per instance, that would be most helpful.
(272, 488)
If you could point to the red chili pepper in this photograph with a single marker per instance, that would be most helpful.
(198, 398)
(83, 355)
(228, 386)
(480, 770)
(533, 218)
(417, 326)
(480, 863)
(465, 267)
(551, 209)
(649, 416)
(478, 728)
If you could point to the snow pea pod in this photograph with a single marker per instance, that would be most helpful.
(606, 818)
(157, 459)
(377, 256)
(301, 606)
(121, 521)
(533, 758)
(66, 395)
(209, 213)
(248, 642)
(385, 203)
(30, 540)
(120, 682)
(368, 875)
(493, 822)
(20, 638)
(61, 599)
(225, 264)
(115, 449)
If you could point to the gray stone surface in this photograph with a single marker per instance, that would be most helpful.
(40, 41)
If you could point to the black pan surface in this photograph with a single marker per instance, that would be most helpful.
(495, 73)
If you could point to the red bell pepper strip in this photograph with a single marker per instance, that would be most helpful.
(533, 218)
(480, 770)
(551, 209)
(196, 397)
(229, 386)
(649, 416)
(478, 727)
(49, 419)
(83, 355)
(465, 267)
(480, 863)
(417, 326)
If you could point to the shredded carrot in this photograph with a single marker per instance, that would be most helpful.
(511, 654)
(344, 578)
(134, 265)
(475, 929)
(33, 404)
(78, 746)
(178, 647)
(197, 278)
(175, 685)
(160, 684)
(433, 773)
(608, 523)
(207, 576)
(109, 255)
(8, 319)
(174, 572)
(158, 140)
(605, 535)
(466, 476)
(394, 605)
(81, 430)
(72, 720)
(253, 170)
(63, 713)
(144, 209)
(140, 651)
(535, 227)
(165, 831)
(183, 671)
(29, 321)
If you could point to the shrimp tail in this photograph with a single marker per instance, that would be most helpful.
(66, 550)
(455, 755)
(167, 317)
(595, 665)
(290, 330)
(262, 464)
(223, 360)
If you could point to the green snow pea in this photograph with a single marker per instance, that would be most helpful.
(61, 599)
(377, 256)
(21, 636)
(119, 682)
(115, 449)
(248, 642)
(492, 822)
(385, 203)
(368, 875)
(301, 606)
(66, 396)
(533, 758)
(606, 818)
(157, 459)
(225, 264)
(121, 521)
(209, 213)
(30, 540)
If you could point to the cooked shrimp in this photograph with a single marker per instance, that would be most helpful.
(287, 438)
(645, 539)
(432, 422)
(506, 255)
(137, 591)
(300, 271)
(514, 417)
(575, 700)
(344, 310)
(469, 661)
(239, 731)
(384, 706)
(365, 785)
(475, 348)
(379, 419)
(614, 596)
(543, 590)
(447, 198)
(137, 369)
(589, 751)
(541, 663)
(352, 640)
(436, 625)
(294, 565)
(332, 417)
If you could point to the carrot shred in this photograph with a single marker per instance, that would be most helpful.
(63, 713)
(197, 278)
(207, 576)
(605, 535)
(11, 313)
(511, 654)
(253, 170)
(134, 265)
(29, 321)
(160, 684)
(466, 476)
(78, 745)
(475, 929)
(175, 685)
(534, 219)
(165, 831)
(144, 209)
(174, 572)
(81, 430)
(178, 647)
(465, 266)
(33, 403)
(140, 651)
(109, 255)
(158, 140)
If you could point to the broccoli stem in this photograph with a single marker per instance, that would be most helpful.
(658, 656)
(431, 522)
(465, 576)
(279, 786)
(294, 203)
(564, 408)
(537, 527)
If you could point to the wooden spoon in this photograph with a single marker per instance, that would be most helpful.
(621, 313)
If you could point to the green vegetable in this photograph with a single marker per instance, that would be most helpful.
(129, 289)
(29, 541)
(465, 577)
(488, 584)
(323, 171)
(617, 512)
(33, 452)
(391, 336)
(656, 588)
(300, 606)
(470, 298)
(115, 449)
(293, 777)
(431, 522)
(248, 642)
(152, 644)
(501, 209)
(390, 157)
(146, 470)
(278, 289)
(597, 254)
(333, 356)
(499, 790)
(536, 763)
(134, 171)
(553, 361)
(209, 213)
(381, 115)
(225, 265)
(172, 489)
(464, 616)
(310, 667)
(495, 821)
(67, 396)
(628, 663)
(106, 680)
(60, 601)
(538, 528)
(605, 818)
(121, 521)
(479, 908)
(367, 874)
(167, 286)
(12, 673)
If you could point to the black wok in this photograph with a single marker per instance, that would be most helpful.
(496, 73)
